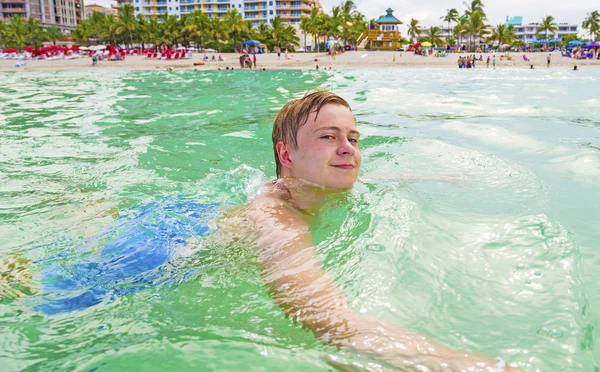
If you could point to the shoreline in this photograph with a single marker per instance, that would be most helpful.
(348, 60)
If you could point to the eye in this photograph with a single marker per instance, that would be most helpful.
(328, 136)
(353, 140)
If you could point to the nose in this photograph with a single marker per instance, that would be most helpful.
(346, 148)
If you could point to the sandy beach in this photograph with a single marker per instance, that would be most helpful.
(348, 60)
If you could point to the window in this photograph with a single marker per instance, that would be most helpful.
(270, 3)
(169, 8)
(239, 5)
(176, 8)
(271, 12)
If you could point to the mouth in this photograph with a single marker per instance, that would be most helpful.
(344, 166)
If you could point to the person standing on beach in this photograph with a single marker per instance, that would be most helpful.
(254, 59)
(278, 53)
(487, 63)
(494, 61)
(548, 60)
(317, 156)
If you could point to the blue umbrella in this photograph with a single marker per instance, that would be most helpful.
(555, 41)
(251, 42)
(542, 41)
(593, 44)
(575, 42)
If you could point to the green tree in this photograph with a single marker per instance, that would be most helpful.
(460, 30)
(476, 27)
(54, 34)
(414, 30)
(548, 24)
(568, 38)
(503, 34)
(96, 26)
(127, 22)
(111, 29)
(81, 33)
(434, 36)
(234, 22)
(315, 19)
(217, 31)
(475, 6)
(16, 32)
(592, 24)
(3, 32)
(196, 27)
(451, 16)
(35, 33)
(305, 27)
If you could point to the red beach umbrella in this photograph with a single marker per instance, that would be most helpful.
(74, 48)
(416, 45)
(10, 50)
(28, 49)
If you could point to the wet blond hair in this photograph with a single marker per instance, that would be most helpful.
(295, 114)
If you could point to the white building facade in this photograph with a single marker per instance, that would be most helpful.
(525, 33)
(257, 11)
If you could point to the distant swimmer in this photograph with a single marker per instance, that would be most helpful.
(317, 67)
(575, 68)
(531, 68)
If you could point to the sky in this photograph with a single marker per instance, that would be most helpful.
(428, 12)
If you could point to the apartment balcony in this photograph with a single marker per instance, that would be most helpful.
(14, 10)
(255, 8)
(5, 2)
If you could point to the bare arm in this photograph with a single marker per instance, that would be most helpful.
(309, 294)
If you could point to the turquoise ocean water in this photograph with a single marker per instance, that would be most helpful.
(477, 221)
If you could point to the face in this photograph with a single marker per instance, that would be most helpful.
(327, 153)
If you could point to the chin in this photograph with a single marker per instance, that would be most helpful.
(341, 184)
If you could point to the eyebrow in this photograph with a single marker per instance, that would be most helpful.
(337, 130)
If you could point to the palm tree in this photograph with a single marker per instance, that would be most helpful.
(435, 36)
(548, 24)
(95, 23)
(127, 21)
(305, 27)
(81, 33)
(592, 24)
(16, 33)
(3, 31)
(476, 27)
(460, 30)
(504, 34)
(475, 6)
(141, 34)
(314, 26)
(35, 33)
(413, 29)
(217, 30)
(451, 16)
(196, 27)
(111, 28)
(234, 22)
(54, 34)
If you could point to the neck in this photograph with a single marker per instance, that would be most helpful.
(304, 195)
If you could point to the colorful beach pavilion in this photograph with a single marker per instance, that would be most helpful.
(387, 37)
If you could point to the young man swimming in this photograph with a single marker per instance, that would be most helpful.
(316, 147)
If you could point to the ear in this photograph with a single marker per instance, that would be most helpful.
(283, 154)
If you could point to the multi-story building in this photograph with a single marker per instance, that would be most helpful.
(89, 9)
(257, 11)
(525, 33)
(62, 13)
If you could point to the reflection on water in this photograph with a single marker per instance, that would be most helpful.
(475, 222)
